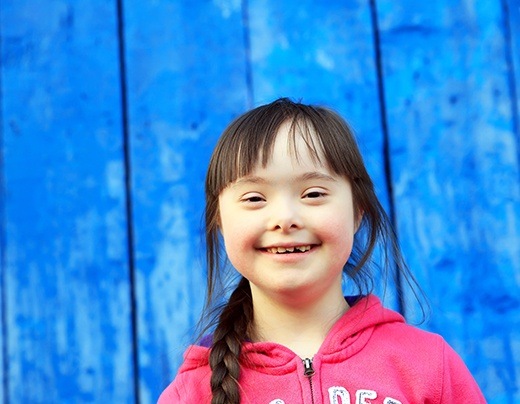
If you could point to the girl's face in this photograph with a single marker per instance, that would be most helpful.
(289, 227)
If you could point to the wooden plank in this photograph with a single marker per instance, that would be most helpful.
(512, 24)
(66, 274)
(2, 253)
(186, 81)
(3, 375)
(323, 53)
(455, 166)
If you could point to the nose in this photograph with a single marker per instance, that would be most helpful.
(285, 216)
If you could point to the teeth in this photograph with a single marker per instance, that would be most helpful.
(282, 250)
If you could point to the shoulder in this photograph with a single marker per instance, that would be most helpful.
(412, 336)
(458, 383)
(407, 344)
(188, 387)
(192, 383)
(428, 358)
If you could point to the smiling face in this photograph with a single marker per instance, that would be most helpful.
(288, 226)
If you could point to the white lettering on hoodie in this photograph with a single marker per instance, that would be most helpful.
(337, 392)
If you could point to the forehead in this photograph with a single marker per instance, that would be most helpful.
(294, 142)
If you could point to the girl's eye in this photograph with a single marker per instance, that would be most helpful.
(252, 198)
(314, 194)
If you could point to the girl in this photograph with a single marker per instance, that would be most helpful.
(288, 194)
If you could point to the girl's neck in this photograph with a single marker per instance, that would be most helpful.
(301, 327)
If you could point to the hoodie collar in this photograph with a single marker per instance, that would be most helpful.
(346, 338)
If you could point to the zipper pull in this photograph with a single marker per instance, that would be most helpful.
(308, 369)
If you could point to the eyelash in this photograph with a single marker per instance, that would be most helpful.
(253, 199)
(314, 195)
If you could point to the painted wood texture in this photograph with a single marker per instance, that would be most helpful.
(110, 110)
(455, 169)
(512, 37)
(66, 296)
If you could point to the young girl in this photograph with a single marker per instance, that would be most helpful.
(288, 194)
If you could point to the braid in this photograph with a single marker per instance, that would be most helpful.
(229, 335)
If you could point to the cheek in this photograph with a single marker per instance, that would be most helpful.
(231, 240)
(237, 255)
(339, 233)
(231, 250)
(239, 242)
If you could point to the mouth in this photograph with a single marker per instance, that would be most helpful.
(288, 250)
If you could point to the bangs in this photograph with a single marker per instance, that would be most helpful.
(249, 141)
(255, 148)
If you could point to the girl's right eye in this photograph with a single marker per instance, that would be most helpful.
(252, 198)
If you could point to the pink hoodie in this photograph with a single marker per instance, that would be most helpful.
(369, 356)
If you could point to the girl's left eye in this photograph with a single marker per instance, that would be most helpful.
(314, 194)
(253, 199)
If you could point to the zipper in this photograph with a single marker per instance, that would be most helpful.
(308, 372)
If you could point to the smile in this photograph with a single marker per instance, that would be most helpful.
(288, 250)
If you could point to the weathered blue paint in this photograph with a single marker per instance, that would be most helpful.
(3, 367)
(67, 331)
(454, 159)
(186, 81)
(512, 24)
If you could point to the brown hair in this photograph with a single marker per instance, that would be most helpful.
(248, 140)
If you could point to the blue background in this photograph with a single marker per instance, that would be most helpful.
(110, 109)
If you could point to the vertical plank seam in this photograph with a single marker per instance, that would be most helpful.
(511, 68)
(386, 141)
(128, 196)
(247, 53)
(3, 275)
(3, 269)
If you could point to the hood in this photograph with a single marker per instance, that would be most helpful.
(346, 338)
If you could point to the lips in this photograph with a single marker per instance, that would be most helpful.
(288, 250)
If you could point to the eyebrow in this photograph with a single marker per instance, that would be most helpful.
(311, 175)
(316, 175)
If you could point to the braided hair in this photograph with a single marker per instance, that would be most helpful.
(229, 335)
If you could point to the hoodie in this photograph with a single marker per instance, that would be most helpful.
(369, 356)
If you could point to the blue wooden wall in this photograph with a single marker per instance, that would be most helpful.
(109, 110)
